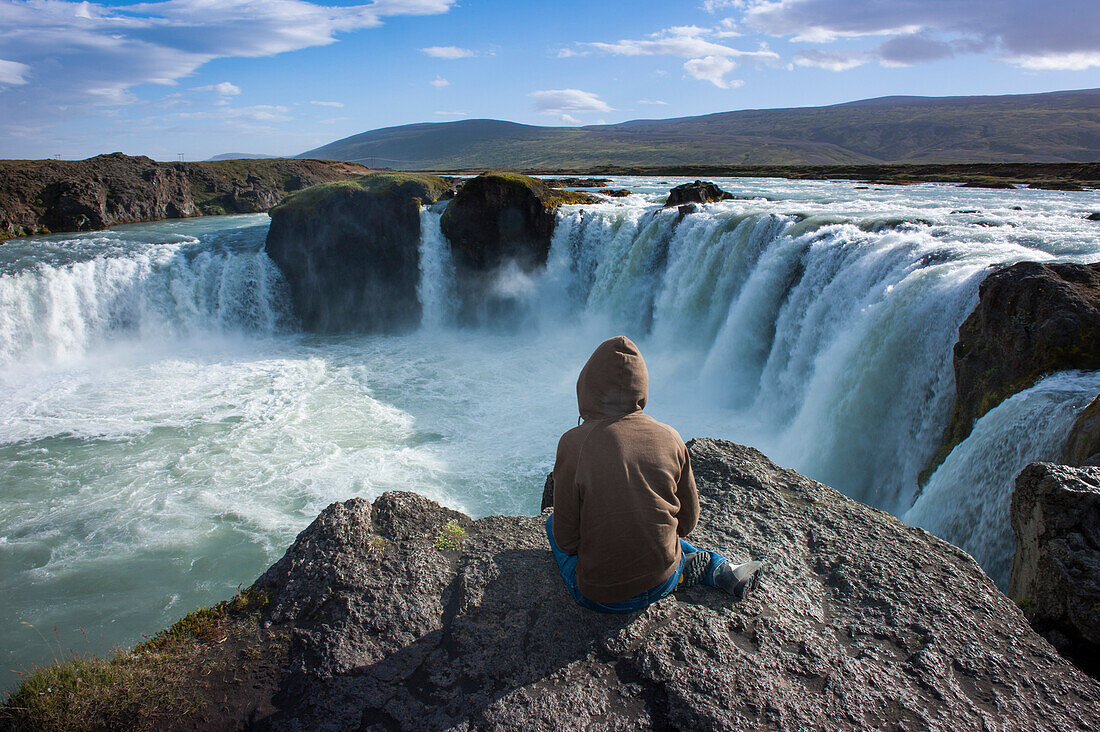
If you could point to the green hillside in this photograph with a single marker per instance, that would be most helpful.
(1052, 127)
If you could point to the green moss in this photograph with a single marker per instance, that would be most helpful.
(431, 188)
(450, 537)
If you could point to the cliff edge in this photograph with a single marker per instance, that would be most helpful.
(407, 615)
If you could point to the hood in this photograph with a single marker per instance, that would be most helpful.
(614, 382)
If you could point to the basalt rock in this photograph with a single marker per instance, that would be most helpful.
(350, 251)
(1031, 320)
(1083, 444)
(85, 195)
(1056, 569)
(860, 622)
(697, 192)
(500, 217)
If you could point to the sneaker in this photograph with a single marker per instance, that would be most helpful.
(738, 580)
(695, 568)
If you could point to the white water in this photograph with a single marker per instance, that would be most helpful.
(437, 271)
(165, 432)
(968, 499)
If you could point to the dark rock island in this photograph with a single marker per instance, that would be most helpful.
(407, 615)
(501, 216)
(349, 250)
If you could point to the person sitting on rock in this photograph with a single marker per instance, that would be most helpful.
(624, 497)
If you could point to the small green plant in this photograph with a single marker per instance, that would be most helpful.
(450, 537)
(376, 544)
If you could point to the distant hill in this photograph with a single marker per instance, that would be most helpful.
(1052, 127)
(242, 156)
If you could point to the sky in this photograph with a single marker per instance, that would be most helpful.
(199, 78)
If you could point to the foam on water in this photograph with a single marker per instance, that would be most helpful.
(165, 432)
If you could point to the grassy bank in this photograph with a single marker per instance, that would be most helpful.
(205, 671)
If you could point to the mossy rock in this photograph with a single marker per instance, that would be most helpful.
(350, 250)
(501, 216)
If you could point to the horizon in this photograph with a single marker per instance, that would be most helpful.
(280, 78)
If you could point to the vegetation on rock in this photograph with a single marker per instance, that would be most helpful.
(205, 668)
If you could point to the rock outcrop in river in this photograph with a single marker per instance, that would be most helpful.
(1032, 319)
(350, 250)
(1083, 444)
(404, 615)
(85, 195)
(504, 216)
(697, 192)
(1056, 569)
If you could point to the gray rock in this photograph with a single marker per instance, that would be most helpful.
(860, 622)
(1083, 444)
(350, 251)
(697, 192)
(1056, 570)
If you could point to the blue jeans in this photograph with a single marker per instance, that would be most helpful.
(567, 565)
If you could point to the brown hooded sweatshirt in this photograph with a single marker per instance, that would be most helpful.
(623, 488)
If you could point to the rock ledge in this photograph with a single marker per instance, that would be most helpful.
(861, 621)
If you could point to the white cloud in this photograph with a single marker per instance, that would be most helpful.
(1058, 35)
(652, 101)
(1058, 62)
(439, 82)
(565, 103)
(338, 105)
(13, 72)
(448, 52)
(713, 69)
(97, 53)
(830, 60)
(442, 113)
(713, 6)
(707, 59)
(225, 89)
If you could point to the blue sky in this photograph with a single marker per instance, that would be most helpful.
(202, 77)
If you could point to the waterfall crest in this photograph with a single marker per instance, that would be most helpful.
(56, 311)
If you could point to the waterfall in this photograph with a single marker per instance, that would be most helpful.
(56, 310)
(826, 342)
(967, 500)
(435, 290)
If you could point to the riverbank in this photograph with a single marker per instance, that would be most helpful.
(43, 196)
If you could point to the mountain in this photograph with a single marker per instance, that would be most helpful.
(242, 156)
(1053, 127)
